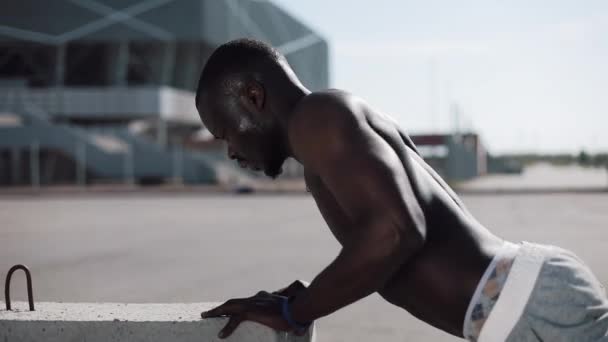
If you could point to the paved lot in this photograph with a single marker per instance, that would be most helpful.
(191, 248)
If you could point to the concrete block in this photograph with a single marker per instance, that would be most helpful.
(104, 322)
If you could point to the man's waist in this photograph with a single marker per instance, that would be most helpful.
(488, 290)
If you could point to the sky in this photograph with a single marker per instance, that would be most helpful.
(529, 76)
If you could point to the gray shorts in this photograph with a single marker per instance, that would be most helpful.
(567, 303)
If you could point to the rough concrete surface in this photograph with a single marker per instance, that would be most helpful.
(104, 322)
(207, 248)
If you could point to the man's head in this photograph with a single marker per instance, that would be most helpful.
(240, 97)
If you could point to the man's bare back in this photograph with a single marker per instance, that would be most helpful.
(433, 285)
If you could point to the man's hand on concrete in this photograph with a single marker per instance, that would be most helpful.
(264, 308)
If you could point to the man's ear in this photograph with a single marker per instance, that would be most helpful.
(253, 96)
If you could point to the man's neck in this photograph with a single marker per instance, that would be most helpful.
(292, 97)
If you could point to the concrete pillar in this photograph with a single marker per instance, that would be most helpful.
(178, 165)
(97, 322)
(16, 166)
(168, 63)
(35, 164)
(60, 65)
(60, 70)
(128, 166)
(161, 132)
(118, 63)
(81, 163)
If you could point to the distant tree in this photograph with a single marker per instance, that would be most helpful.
(583, 158)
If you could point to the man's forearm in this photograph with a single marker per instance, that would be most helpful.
(356, 273)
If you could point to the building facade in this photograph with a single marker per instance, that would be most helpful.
(103, 90)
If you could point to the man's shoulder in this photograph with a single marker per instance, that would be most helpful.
(330, 102)
(322, 122)
(323, 112)
(327, 97)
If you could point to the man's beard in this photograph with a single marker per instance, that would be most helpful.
(273, 173)
(274, 167)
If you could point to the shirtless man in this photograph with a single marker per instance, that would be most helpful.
(404, 233)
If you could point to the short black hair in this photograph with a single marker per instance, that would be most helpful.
(236, 56)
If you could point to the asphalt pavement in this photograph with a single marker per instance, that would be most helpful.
(148, 248)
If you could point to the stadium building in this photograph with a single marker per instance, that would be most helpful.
(95, 91)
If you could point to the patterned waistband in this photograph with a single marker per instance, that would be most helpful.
(488, 290)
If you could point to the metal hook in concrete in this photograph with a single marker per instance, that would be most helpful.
(7, 286)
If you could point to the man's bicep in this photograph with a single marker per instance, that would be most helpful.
(335, 217)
